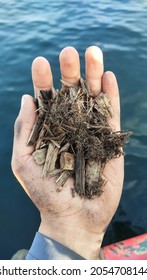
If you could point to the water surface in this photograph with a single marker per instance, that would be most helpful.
(33, 28)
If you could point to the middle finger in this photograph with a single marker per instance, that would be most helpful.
(94, 68)
(70, 65)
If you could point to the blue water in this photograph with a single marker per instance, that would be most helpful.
(32, 28)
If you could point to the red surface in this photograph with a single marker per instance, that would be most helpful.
(131, 249)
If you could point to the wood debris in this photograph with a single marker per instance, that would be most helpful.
(72, 137)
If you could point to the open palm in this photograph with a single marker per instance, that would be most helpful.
(76, 222)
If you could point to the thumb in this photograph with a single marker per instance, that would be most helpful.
(23, 127)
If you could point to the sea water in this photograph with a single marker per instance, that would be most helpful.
(31, 28)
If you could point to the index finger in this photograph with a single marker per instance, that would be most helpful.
(41, 75)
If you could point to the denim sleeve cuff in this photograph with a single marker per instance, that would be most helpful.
(44, 248)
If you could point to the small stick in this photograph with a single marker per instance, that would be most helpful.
(63, 178)
(59, 137)
(40, 136)
(68, 127)
(48, 129)
(64, 148)
(35, 131)
(80, 173)
(51, 158)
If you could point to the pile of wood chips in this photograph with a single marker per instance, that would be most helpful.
(72, 137)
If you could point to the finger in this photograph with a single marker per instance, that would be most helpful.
(23, 127)
(110, 86)
(70, 65)
(41, 75)
(94, 68)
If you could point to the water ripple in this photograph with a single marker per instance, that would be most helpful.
(30, 28)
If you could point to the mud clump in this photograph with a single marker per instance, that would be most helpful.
(72, 137)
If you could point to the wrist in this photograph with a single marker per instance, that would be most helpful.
(83, 242)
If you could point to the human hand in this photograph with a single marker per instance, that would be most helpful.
(75, 222)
